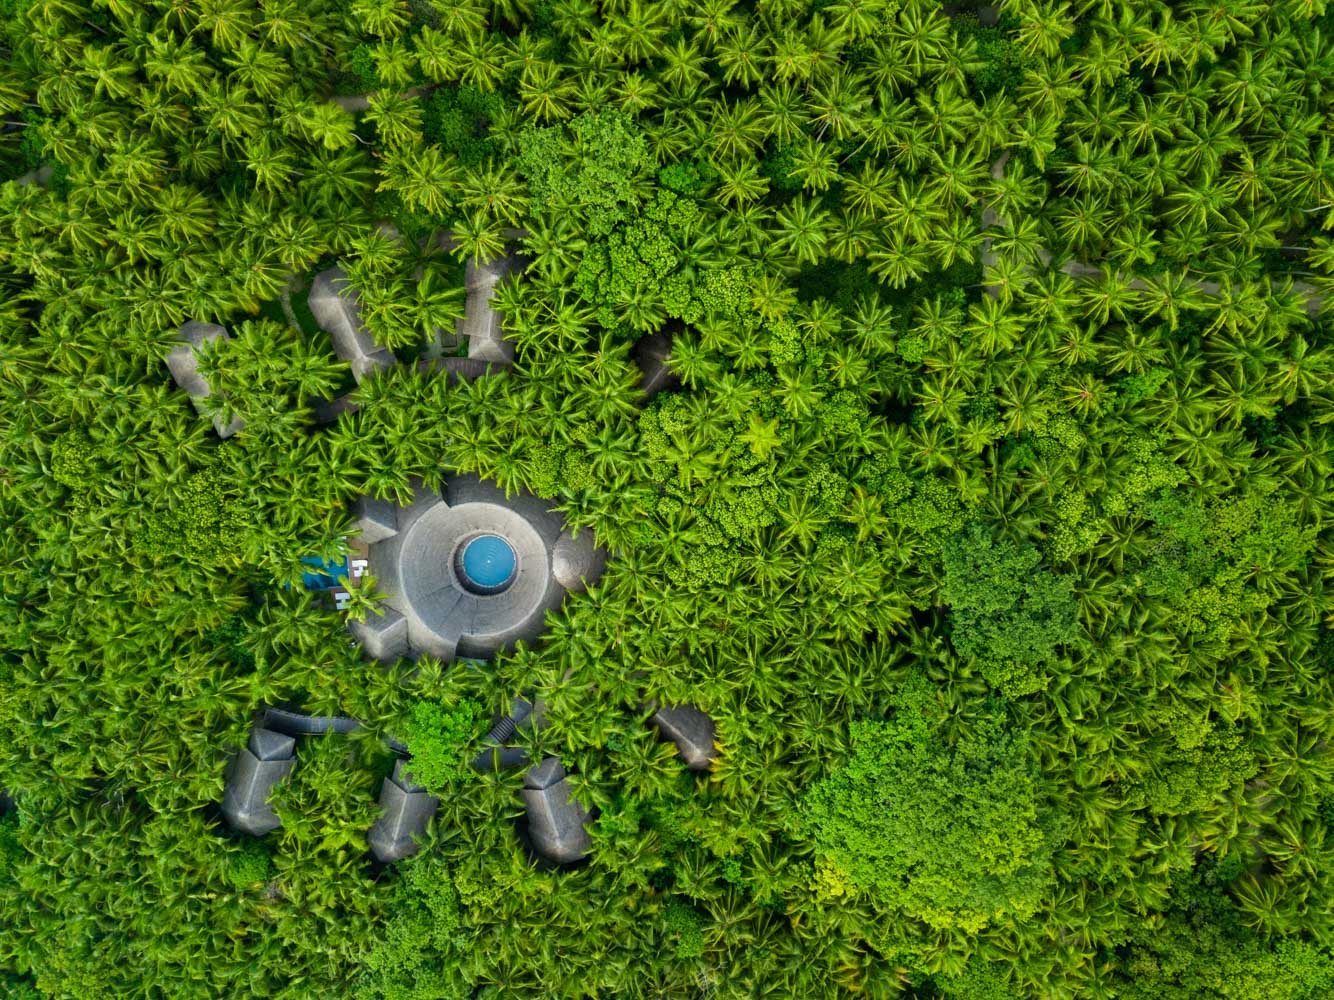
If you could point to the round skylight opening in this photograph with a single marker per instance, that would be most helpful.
(486, 564)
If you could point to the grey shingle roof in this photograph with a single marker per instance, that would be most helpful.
(465, 369)
(376, 519)
(414, 564)
(691, 730)
(500, 758)
(267, 759)
(481, 324)
(335, 305)
(269, 744)
(327, 411)
(183, 363)
(301, 724)
(576, 562)
(333, 302)
(416, 568)
(402, 776)
(556, 823)
(544, 773)
(384, 637)
(406, 810)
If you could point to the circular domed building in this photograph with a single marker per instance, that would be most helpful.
(468, 571)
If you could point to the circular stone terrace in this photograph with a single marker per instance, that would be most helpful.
(467, 571)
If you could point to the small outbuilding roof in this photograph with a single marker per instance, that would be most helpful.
(267, 759)
(691, 730)
(383, 637)
(268, 744)
(376, 519)
(334, 304)
(577, 562)
(556, 823)
(481, 323)
(465, 369)
(183, 363)
(406, 809)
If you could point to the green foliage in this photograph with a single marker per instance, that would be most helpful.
(1065, 277)
(555, 469)
(1205, 952)
(74, 461)
(590, 166)
(922, 505)
(10, 848)
(19, 987)
(1213, 560)
(642, 262)
(778, 166)
(1202, 762)
(232, 640)
(458, 119)
(362, 67)
(842, 283)
(201, 524)
(32, 144)
(959, 836)
(684, 928)
(1002, 60)
(405, 960)
(248, 867)
(1135, 389)
(689, 178)
(1004, 609)
(438, 737)
(978, 981)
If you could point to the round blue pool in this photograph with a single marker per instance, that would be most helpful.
(487, 564)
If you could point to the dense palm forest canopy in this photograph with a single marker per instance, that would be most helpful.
(986, 518)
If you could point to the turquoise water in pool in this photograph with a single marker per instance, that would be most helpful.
(488, 561)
